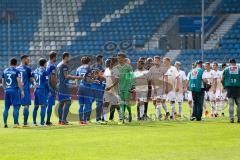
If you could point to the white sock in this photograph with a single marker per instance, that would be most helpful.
(158, 110)
(172, 108)
(141, 110)
(165, 107)
(180, 108)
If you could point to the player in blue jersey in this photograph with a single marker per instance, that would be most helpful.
(27, 79)
(40, 96)
(98, 88)
(64, 89)
(51, 71)
(85, 93)
(11, 80)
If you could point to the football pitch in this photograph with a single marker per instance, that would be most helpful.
(212, 139)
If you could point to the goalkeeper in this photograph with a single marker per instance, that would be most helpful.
(124, 80)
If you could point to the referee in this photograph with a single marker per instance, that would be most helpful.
(231, 81)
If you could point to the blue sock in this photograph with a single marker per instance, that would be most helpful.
(35, 114)
(25, 114)
(49, 112)
(5, 114)
(88, 111)
(43, 113)
(60, 111)
(66, 110)
(16, 113)
(81, 112)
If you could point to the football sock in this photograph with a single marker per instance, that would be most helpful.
(49, 112)
(5, 114)
(172, 108)
(180, 108)
(35, 109)
(80, 111)
(66, 110)
(16, 113)
(25, 114)
(60, 111)
(165, 107)
(42, 114)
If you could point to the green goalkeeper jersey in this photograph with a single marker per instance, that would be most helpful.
(125, 77)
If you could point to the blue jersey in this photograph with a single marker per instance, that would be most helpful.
(41, 77)
(84, 71)
(51, 69)
(62, 82)
(10, 76)
(26, 75)
(97, 67)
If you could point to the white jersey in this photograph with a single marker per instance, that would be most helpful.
(109, 80)
(209, 75)
(219, 78)
(172, 75)
(182, 78)
(141, 80)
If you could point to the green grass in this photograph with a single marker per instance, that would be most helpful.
(212, 139)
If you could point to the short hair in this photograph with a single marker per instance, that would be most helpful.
(65, 54)
(167, 59)
(52, 54)
(215, 63)
(232, 61)
(85, 60)
(13, 61)
(24, 56)
(42, 62)
(224, 65)
(142, 62)
(108, 62)
(121, 54)
(179, 63)
(114, 60)
(208, 63)
(157, 57)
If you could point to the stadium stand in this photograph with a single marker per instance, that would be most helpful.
(85, 26)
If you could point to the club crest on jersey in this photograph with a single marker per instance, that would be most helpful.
(233, 70)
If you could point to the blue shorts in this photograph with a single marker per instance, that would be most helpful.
(40, 97)
(26, 101)
(63, 97)
(12, 97)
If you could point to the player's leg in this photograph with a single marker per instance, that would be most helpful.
(80, 110)
(51, 103)
(5, 114)
(171, 98)
(180, 100)
(7, 104)
(35, 110)
(42, 114)
(237, 101)
(164, 106)
(25, 114)
(16, 114)
(99, 110)
(231, 109)
(212, 103)
(60, 111)
(146, 110)
(158, 108)
(66, 111)
(141, 108)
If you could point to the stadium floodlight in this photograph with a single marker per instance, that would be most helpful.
(202, 30)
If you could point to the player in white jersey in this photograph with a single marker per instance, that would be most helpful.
(111, 92)
(182, 85)
(210, 76)
(172, 78)
(156, 73)
(222, 96)
(141, 78)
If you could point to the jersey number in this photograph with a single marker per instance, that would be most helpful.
(10, 80)
(37, 78)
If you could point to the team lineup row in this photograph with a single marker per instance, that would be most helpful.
(115, 84)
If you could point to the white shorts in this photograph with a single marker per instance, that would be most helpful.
(189, 96)
(111, 98)
(159, 95)
(179, 96)
(171, 96)
(142, 96)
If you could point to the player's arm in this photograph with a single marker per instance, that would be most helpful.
(3, 83)
(68, 76)
(20, 85)
(177, 84)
